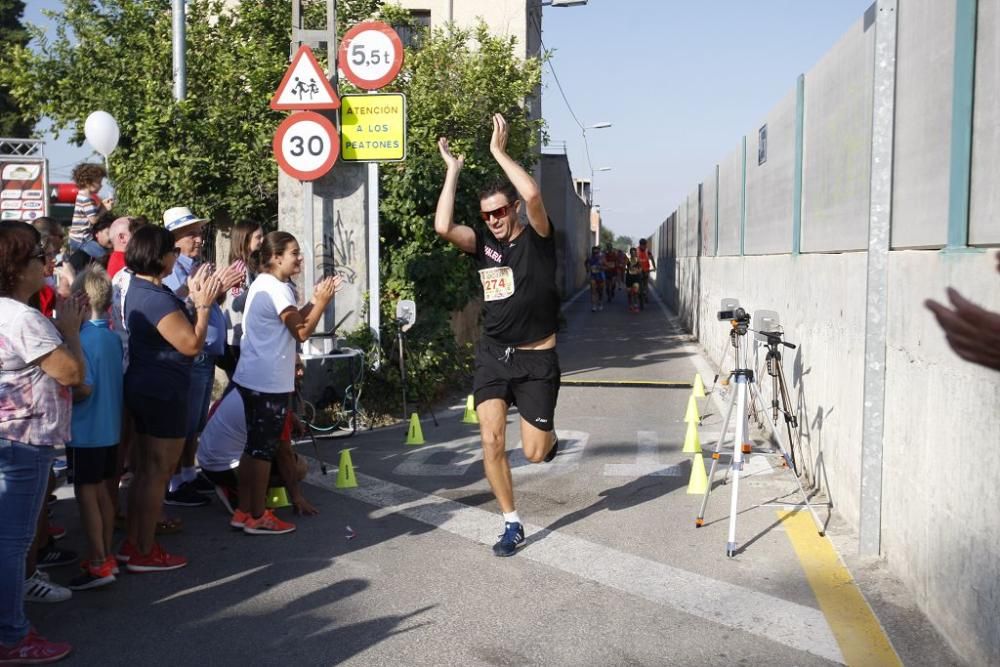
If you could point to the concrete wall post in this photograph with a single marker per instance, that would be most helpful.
(876, 321)
(960, 169)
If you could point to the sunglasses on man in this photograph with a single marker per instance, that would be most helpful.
(496, 213)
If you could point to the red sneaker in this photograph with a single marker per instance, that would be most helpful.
(157, 560)
(267, 524)
(33, 650)
(239, 519)
(112, 562)
(57, 532)
(126, 551)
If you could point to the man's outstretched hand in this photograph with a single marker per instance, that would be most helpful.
(498, 142)
(454, 162)
(972, 332)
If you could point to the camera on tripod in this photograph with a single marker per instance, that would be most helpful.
(731, 310)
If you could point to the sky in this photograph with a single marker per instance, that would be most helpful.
(680, 81)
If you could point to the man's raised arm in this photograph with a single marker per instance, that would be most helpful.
(460, 236)
(526, 186)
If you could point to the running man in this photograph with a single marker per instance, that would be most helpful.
(594, 265)
(633, 276)
(516, 360)
(646, 264)
(610, 271)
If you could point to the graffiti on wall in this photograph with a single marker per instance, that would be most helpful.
(339, 252)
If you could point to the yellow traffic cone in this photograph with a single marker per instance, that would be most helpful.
(692, 443)
(470, 416)
(277, 497)
(698, 484)
(692, 415)
(414, 435)
(699, 387)
(345, 471)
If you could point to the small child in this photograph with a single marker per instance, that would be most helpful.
(88, 207)
(92, 452)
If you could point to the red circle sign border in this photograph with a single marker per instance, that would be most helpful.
(279, 137)
(345, 64)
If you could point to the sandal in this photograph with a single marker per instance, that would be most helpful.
(169, 526)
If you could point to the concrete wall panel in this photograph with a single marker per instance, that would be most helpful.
(693, 223)
(922, 143)
(730, 193)
(984, 207)
(709, 214)
(836, 174)
(769, 185)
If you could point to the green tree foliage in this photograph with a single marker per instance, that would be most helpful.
(13, 122)
(607, 236)
(623, 242)
(213, 149)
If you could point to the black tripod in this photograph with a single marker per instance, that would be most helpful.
(401, 338)
(780, 401)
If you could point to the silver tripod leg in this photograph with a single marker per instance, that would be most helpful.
(737, 464)
(700, 520)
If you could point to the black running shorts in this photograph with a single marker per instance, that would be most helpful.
(528, 379)
(158, 417)
(265, 419)
(92, 465)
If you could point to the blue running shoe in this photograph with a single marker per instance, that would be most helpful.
(510, 541)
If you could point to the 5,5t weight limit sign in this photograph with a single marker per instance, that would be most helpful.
(371, 55)
(306, 145)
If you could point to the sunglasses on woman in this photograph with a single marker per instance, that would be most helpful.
(496, 213)
(39, 254)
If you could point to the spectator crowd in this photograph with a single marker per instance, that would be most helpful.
(110, 337)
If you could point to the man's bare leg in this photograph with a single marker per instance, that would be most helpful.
(492, 415)
(535, 442)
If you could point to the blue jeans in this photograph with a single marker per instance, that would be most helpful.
(24, 478)
(200, 394)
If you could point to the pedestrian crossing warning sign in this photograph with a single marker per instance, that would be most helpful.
(373, 128)
(305, 86)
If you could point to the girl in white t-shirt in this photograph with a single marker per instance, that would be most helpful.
(265, 375)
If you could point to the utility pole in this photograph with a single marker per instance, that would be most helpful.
(300, 36)
(180, 58)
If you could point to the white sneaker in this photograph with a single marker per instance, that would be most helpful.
(38, 588)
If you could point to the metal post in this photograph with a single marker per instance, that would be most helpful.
(180, 65)
(374, 303)
(800, 108)
(308, 241)
(962, 101)
(883, 116)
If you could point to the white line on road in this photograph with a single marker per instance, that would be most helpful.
(454, 457)
(647, 461)
(794, 625)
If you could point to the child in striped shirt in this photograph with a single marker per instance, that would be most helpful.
(88, 178)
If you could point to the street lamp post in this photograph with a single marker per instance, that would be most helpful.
(594, 205)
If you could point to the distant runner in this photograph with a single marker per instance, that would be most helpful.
(594, 266)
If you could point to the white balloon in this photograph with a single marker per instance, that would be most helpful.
(101, 130)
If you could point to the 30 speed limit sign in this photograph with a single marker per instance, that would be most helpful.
(371, 55)
(306, 145)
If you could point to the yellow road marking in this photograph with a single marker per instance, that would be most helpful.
(851, 619)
